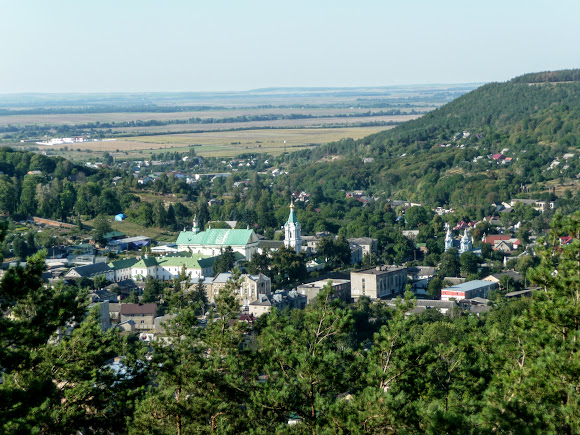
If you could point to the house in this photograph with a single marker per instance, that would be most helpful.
(145, 180)
(498, 157)
(315, 264)
(496, 277)
(368, 244)
(113, 235)
(251, 287)
(281, 300)
(468, 290)
(420, 276)
(495, 238)
(142, 314)
(114, 312)
(91, 271)
(519, 294)
(378, 282)
(538, 205)
(356, 254)
(340, 289)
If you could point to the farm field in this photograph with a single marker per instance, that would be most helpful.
(279, 123)
(83, 118)
(218, 143)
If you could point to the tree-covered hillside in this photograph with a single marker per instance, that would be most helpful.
(445, 157)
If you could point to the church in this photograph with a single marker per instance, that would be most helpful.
(465, 244)
(212, 242)
(292, 232)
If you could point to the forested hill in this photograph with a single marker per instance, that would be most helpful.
(530, 108)
(535, 117)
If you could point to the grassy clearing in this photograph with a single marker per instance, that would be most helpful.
(132, 229)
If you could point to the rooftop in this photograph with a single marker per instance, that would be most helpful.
(379, 270)
(470, 285)
(217, 237)
(129, 309)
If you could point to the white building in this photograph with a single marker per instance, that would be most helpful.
(292, 232)
(213, 242)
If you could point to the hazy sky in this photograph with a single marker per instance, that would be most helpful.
(191, 45)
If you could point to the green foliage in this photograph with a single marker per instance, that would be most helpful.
(450, 265)
(102, 226)
(225, 261)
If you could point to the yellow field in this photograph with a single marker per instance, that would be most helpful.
(227, 143)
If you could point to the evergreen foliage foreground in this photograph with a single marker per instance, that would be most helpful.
(331, 368)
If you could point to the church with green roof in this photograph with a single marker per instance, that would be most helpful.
(212, 242)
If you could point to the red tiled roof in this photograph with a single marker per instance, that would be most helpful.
(497, 237)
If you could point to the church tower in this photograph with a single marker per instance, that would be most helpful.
(466, 243)
(194, 226)
(448, 239)
(292, 232)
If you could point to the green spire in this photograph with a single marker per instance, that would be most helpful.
(292, 217)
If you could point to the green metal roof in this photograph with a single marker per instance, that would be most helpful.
(216, 237)
(123, 264)
(196, 261)
(113, 234)
(146, 262)
(292, 216)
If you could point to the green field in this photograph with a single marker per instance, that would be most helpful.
(216, 144)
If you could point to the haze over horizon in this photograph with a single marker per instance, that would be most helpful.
(226, 46)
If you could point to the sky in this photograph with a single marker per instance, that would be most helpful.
(66, 46)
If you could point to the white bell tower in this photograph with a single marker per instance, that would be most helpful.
(292, 232)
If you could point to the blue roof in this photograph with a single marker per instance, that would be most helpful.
(471, 285)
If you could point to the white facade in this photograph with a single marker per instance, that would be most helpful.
(292, 232)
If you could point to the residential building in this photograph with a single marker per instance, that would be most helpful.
(281, 300)
(142, 314)
(378, 282)
(251, 287)
(122, 268)
(340, 289)
(168, 267)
